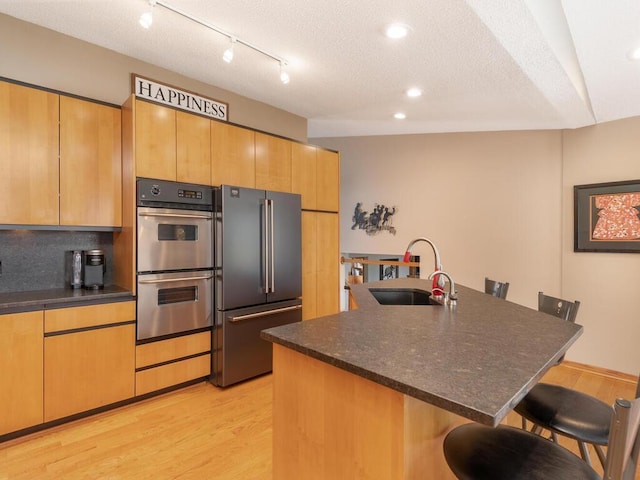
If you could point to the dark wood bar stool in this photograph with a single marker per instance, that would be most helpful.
(479, 452)
(495, 288)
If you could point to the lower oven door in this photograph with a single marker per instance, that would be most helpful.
(171, 303)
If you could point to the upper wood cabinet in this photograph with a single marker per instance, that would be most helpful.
(155, 141)
(273, 163)
(21, 390)
(328, 180)
(193, 149)
(90, 164)
(28, 155)
(233, 160)
(303, 174)
(172, 145)
(315, 174)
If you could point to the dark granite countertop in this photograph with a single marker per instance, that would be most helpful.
(13, 302)
(476, 359)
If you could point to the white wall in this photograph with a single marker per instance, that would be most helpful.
(607, 284)
(500, 204)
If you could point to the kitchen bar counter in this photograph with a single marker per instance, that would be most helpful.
(15, 302)
(432, 366)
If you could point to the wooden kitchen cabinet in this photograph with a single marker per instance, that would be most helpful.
(193, 144)
(328, 180)
(89, 357)
(28, 155)
(320, 264)
(315, 175)
(233, 160)
(21, 371)
(90, 164)
(303, 174)
(173, 361)
(273, 163)
(155, 141)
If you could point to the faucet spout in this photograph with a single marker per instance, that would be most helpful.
(438, 282)
(451, 297)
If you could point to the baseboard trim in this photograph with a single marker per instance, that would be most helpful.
(604, 372)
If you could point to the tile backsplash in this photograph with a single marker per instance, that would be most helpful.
(36, 259)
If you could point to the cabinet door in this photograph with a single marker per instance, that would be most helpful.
(273, 163)
(21, 367)
(89, 358)
(193, 141)
(303, 173)
(309, 265)
(155, 141)
(328, 181)
(328, 285)
(233, 160)
(90, 164)
(28, 156)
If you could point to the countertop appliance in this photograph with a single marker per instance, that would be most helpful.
(175, 258)
(258, 277)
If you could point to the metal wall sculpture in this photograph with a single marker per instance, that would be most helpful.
(378, 220)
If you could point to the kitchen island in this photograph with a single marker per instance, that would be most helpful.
(371, 393)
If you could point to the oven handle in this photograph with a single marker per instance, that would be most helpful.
(176, 215)
(169, 280)
(249, 316)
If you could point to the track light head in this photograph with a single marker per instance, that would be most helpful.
(227, 56)
(146, 19)
(284, 76)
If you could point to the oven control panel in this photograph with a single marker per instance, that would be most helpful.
(164, 193)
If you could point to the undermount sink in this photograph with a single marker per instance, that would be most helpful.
(402, 296)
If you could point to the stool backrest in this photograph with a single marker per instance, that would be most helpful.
(497, 289)
(558, 307)
(624, 441)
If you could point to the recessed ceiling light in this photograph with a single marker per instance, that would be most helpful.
(399, 116)
(414, 92)
(396, 30)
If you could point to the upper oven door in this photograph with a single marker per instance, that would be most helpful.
(172, 239)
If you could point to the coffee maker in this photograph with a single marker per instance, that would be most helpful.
(93, 269)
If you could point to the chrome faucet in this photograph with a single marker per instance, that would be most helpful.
(438, 283)
(451, 297)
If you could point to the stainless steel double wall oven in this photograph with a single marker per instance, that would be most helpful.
(175, 258)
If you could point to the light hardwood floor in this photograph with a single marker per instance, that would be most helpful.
(200, 432)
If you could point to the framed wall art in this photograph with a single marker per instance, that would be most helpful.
(607, 217)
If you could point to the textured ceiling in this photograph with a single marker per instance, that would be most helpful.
(482, 64)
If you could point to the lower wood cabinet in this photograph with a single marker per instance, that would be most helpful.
(170, 362)
(89, 357)
(320, 264)
(20, 371)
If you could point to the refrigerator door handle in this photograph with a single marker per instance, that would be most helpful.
(265, 313)
(266, 246)
(272, 255)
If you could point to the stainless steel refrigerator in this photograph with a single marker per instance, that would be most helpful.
(258, 277)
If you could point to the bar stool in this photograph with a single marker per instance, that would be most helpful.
(495, 288)
(480, 452)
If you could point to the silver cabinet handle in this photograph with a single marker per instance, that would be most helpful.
(177, 215)
(272, 257)
(171, 280)
(266, 247)
(249, 316)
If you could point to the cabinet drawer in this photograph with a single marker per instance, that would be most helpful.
(88, 316)
(153, 379)
(172, 349)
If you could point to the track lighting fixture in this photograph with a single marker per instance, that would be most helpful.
(227, 56)
(146, 19)
(284, 76)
